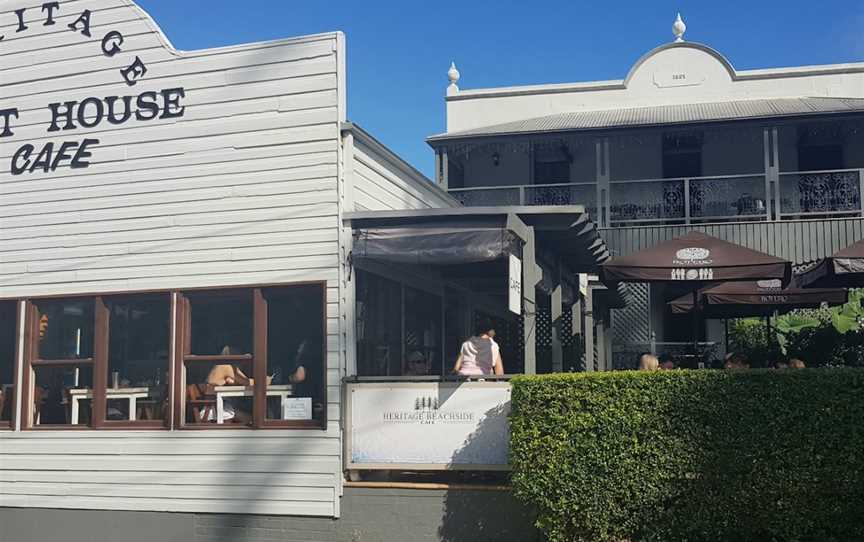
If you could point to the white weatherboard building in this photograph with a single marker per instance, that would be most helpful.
(160, 212)
(771, 159)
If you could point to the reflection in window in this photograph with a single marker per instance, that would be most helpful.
(63, 395)
(422, 333)
(65, 329)
(379, 327)
(138, 344)
(295, 353)
(221, 321)
(8, 317)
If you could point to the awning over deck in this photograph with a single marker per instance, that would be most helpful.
(469, 235)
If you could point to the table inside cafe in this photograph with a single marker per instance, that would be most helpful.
(284, 392)
(128, 394)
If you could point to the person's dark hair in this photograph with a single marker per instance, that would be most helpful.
(664, 357)
(483, 326)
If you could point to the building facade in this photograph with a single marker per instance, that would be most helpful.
(767, 158)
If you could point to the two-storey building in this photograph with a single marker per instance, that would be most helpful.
(770, 159)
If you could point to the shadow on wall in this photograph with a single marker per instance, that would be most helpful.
(488, 513)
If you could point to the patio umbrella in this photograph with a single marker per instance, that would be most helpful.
(696, 259)
(845, 269)
(757, 298)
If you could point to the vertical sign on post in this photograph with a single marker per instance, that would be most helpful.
(515, 285)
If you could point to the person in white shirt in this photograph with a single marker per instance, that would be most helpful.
(480, 355)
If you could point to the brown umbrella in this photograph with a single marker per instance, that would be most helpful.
(695, 258)
(845, 269)
(757, 298)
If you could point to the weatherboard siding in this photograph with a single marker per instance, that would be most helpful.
(383, 182)
(240, 190)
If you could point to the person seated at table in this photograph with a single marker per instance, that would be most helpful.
(648, 362)
(667, 363)
(416, 364)
(735, 360)
(480, 354)
(796, 363)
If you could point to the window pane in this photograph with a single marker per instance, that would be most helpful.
(8, 317)
(221, 323)
(379, 327)
(210, 383)
(422, 333)
(138, 357)
(65, 329)
(63, 395)
(295, 353)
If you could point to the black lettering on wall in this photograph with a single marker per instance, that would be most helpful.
(62, 154)
(148, 107)
(112, 113)
(78, 161)
(43, 160)
(50, 7)
(21, 26)
(57, 114)
(21, 154)
(98, 111)
(6, 114)
(171, 107)
(134, 72)
(84, 19)
(111, 43)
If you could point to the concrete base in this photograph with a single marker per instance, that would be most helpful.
(368, 515)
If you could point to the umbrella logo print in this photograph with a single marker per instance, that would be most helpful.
(693, 254)
(769, 285)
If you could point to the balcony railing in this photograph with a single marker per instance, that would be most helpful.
(724, 198)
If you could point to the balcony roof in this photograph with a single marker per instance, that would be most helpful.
(664, 115)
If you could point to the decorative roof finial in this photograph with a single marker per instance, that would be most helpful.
(453, 76)
(678, 28)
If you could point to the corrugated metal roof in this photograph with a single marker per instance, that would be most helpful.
(666, 114)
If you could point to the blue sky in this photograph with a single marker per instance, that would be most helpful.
(399, 51)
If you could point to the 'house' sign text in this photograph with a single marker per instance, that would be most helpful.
(89, 112)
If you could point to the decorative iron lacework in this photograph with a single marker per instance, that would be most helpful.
(740, 196)
(832, 192)
(565, 194)
(647, 200)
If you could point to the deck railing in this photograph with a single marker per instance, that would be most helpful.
(692, 200)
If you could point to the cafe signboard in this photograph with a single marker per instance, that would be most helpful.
(427, 425)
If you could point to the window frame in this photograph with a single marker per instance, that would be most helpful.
(12, 424)
(258, 358)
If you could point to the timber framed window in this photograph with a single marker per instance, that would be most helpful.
(97, 362)
(8, 362)
(252, 357)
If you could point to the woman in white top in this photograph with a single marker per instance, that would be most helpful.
(480, 355)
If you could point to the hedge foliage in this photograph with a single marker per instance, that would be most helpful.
(753, 455)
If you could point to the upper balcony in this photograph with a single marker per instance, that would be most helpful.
(691, 200)
(734, 172)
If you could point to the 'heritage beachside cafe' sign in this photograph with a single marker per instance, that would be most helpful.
(91, 112)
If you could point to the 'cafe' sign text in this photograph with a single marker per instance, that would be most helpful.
(89, 112)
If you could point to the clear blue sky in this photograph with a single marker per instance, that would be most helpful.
(399, 51)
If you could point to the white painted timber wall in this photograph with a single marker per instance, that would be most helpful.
(381, 181)
(240, 190)
(706, 76)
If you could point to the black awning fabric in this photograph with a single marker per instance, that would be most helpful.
(436, 243)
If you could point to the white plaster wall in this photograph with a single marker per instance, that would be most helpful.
(706, 79)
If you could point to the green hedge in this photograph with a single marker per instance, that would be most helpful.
(692, 455)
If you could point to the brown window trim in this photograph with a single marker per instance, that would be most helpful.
(16, 392)
(179, 334)
(258, 358)
(98, 362)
